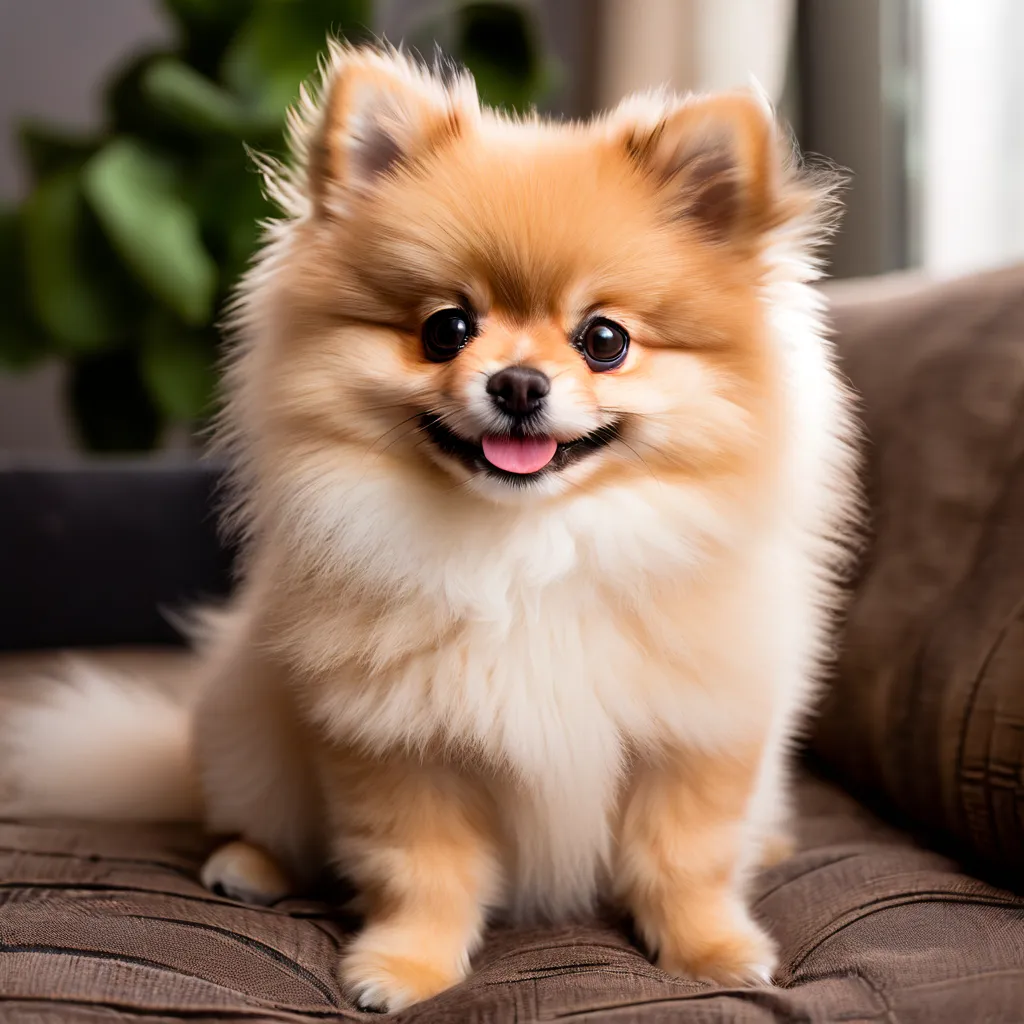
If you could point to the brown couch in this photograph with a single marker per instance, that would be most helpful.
(908, 919)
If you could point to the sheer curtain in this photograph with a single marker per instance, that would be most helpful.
(969, 150)
(692, 45)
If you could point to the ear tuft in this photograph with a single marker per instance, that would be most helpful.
(716, 158)
(381, 110)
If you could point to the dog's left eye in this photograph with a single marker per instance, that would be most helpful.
(446, 333)
(604, 344)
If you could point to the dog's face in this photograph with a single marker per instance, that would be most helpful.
(525, 310)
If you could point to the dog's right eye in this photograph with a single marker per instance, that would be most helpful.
(446, 333)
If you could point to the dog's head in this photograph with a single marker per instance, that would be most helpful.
(513, 309)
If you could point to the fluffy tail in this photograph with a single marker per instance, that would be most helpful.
(100, 746)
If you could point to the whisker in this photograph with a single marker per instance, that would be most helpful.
(646, 444)
(619, 440)
(459, 484)
(408, 433)
(389, 405)
(401, 423)
(401, 437)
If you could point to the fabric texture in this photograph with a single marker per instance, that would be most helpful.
(927, 707)
(101, 922)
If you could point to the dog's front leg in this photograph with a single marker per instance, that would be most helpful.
(684, 845)
(418, 841)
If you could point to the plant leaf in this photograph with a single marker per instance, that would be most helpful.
(22, 341)
(130, 111)
(48, 150)
(498, 43)
(70, 296)
(207, 28)
(190, 98)
(195, 102)
(178, 367)
(200, 15)
(227, 193)
(277, 48)
(135, 196)
(110, 406)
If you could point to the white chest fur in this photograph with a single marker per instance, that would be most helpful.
(558, 668)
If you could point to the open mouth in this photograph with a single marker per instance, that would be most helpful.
(516, 458)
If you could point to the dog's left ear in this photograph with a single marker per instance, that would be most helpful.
(381, 111)
(716, 158)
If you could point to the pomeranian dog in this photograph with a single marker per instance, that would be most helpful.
(542, 472)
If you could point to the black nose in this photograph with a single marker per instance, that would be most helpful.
(519, 390)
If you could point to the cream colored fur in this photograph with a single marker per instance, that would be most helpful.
(522, 662)
(97, 745)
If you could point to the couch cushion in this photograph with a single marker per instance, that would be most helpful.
(101, 921)
(928, 705)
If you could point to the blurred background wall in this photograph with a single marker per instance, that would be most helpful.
(922, 100)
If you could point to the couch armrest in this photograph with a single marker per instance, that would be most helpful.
(927, 706)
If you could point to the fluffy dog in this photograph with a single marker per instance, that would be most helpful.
(541, 461)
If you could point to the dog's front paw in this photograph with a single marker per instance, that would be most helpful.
(381, 977)
(244, 872)
(740, 954)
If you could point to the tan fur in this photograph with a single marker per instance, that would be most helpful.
(474, 697)
(419, 841)
(247, 873)
(680, 863)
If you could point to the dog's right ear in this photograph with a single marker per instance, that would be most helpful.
(716, 159)
(381, 111)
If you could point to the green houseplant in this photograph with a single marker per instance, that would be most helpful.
(121, 258)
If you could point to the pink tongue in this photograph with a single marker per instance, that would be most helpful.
(519, 454)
